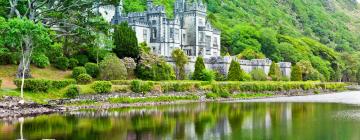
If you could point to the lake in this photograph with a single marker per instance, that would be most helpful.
(246, 120)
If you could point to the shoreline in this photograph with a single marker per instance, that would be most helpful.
(10, 109)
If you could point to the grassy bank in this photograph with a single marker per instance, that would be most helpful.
(166, 91)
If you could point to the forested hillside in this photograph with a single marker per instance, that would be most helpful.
(322, 32)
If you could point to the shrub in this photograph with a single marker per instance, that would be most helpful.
(211, 95)
(207, 75)
(153, 67)
(139, 86)
(40, 60)
(121, 82)
(9, 58)
(296, 73)
(220, 91)
(234, 71)
(72, 91)
(82, 59)
(83, 79)
(34, 85)
(92, 69)
(258, 75)
(73, 63)
(59, 84)
(0, 83)
(112, 68)
(245, 76)
(77, 71)
(275, 72)
(62, 63)
(101, 86)
(199, 67)
(358, 76)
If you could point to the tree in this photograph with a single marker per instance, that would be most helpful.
(112, 68)
(26, 36)
(250, 54)
(258, 75)
(181, 59)
(275, 72)
(125, 41)
(153, 67)
(234, 71)
(199, 67)
(296, 73)
(358, 76)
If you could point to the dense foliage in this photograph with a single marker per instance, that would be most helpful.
(112, 68)
(199, 67)
(153, 67)
(258, 75)
(296, 73)
(235, 71)
(125, 41)
(275, 72)
(92, 69)
(101, 86)
(83, 79)
(78, 71)
(181, 59)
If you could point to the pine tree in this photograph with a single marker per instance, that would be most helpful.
(296, 73)
(125, 41)
(275, 72)
(234, 71)
(199, 67)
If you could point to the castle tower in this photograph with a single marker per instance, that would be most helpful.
(149, 4)
(119, 9)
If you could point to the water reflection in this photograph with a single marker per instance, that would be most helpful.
(193, 121)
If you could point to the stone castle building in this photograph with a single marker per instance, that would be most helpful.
(188, 30)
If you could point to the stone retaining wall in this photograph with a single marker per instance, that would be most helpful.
(222, 64)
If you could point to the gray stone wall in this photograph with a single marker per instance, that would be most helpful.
(222, 64)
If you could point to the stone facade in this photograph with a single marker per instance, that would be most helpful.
(222, 64)
(188, 30)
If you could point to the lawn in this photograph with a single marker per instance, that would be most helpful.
(8, 72)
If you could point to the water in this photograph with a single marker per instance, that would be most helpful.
(257, 121)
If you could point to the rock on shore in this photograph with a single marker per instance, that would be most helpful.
(11, 108)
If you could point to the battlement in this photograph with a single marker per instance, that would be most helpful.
(156, 9)
(196, 7)
(136, 14)
(139, 23)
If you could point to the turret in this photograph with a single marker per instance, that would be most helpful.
(119, 9)
(149, 4)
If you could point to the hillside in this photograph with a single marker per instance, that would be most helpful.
(285, 30)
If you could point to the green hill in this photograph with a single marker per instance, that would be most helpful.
(319, 31)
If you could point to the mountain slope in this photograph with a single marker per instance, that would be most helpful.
(317, 31)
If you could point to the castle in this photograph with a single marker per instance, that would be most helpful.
(188, 30)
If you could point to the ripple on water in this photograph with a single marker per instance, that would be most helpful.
(347, 115)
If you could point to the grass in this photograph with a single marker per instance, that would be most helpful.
(41, 98)
(8, 72)
(251, 95)
(152, 99)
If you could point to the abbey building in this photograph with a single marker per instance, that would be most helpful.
(188, 30)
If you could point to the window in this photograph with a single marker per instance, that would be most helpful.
(153, 22)
(177, 33)
(153, 33)
(201, 36)
(171, 33)
(215, 43)
(145, 34)
(184, 37)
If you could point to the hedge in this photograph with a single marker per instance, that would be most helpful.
(101, 86)
(42, 85)
(181, 86)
